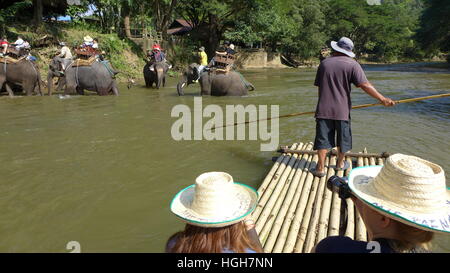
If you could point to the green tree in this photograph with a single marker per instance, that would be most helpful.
(434, 32)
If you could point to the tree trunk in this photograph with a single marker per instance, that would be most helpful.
(213, 37)
(126, 22)
(38, 12)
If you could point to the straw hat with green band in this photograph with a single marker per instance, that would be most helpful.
(214, 201)
(408, 189)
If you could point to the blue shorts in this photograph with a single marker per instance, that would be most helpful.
(326, 130)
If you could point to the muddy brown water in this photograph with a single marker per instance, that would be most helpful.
(102, 170)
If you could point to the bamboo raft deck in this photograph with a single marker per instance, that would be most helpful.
(296, 210)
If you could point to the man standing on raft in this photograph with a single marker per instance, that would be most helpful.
(334, 78)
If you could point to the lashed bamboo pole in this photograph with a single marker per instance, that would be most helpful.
(295, 227)
(372, 161)
(272, 207)
(326, 205)
(335, 213)
(290, 215)
(350, 229)
(316, 206)
(380, 162)
(273, 185)
(284, 149)
(281, 217)
(360, 232)
(366, 159)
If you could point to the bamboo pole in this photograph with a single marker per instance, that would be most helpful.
(360, 232)
(380, 162)
(366, 159)
(295, 227)
(282, 217)
(350, 229)
(354, 107)
(333, 152)
(272, 172)
(326, 205)
(314, 206)
(273, 184)
(268, 214)
(335, 214)
(290, 215)
(372, 161)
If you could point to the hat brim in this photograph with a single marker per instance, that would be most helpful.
(181, 207)
(360, 182)
(340, 49)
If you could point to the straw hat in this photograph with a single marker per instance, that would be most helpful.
(408, 189)
(214, 201)
(88, 39)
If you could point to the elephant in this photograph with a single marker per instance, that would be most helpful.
(157, 76)
(24, 73)
(54, 69)
(96, 77)
(214, 83)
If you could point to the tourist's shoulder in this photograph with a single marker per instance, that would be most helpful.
(340, 244)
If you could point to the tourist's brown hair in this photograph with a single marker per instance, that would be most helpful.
(196, 239)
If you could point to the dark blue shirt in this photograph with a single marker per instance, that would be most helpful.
(343, 244)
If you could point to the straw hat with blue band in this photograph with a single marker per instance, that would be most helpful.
(408, 189)
(214, 201)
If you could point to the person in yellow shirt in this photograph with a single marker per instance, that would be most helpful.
(203, 61)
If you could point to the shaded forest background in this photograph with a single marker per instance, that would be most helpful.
(394, 31)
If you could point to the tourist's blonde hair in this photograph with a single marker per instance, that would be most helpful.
(410, 239)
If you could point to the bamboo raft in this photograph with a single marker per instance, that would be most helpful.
(296, 210)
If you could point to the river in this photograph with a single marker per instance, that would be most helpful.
(102, 170)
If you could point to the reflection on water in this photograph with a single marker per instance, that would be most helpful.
(102, 170)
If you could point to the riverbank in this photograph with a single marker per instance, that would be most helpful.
(128, 58)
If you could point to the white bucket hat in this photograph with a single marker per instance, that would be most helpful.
(88, 39)
(344, 45)
(214, 201)
(408, 189)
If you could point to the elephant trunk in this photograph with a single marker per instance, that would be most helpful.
(159, 76)
(181, 85)
(49, 82)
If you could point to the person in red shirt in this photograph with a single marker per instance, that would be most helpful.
(4, 45)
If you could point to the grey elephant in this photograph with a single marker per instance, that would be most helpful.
(54, 70)
(23, 73)
(98, 77)
(157, 75)
(215, 83)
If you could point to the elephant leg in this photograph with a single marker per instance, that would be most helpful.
(28, 88)
(164, 81)
(70, 89)
(115, 89)
(61, 83)
(80, 91)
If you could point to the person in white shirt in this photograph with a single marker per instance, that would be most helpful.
(19, 43)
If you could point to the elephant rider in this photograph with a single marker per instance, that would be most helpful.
(65, 56)
(87, 42)
(4, 46)
(203, 60)
(19, 43)
(156, 56)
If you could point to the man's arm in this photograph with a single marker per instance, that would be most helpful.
(370, 89)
